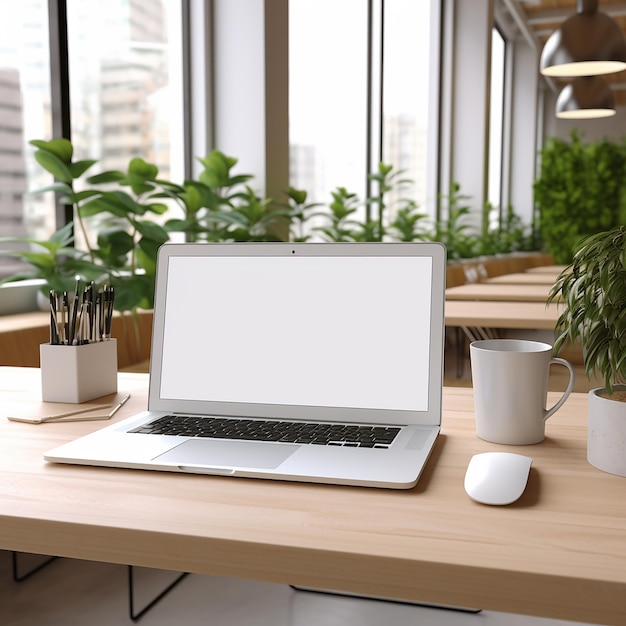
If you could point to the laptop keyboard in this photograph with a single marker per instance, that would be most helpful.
(325, 434)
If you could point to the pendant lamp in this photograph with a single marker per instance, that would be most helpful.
(586, 97)
(588, 43)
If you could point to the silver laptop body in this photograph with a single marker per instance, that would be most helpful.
(332, 337)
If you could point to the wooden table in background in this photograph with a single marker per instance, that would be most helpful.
(523, 278)
(512, 315)
(499, 292)
(553, 270)
(559, 551)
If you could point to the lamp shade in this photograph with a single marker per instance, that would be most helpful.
(588, 43)
(586, 97)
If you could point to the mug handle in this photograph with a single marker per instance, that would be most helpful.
(570, 386)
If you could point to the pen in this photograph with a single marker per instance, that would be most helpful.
(72, 337)
(66, 318)
(74, 416)
(118, 406)
(59, 318)
(80, 325)
(109, 300)
(86, 317)
(100, 316)
(88, 302)
(54, 329)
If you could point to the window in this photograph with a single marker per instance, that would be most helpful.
(24, 115)
(334, 109)
(359, 83)
(125, 68)
(496, 120)
(406, 69)
(328, 96)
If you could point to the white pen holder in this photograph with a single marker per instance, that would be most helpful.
(78, 373)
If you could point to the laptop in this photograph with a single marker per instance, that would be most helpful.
(313, 362)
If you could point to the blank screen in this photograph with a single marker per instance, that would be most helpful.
(298, 330)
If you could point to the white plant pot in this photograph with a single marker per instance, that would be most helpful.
(20, 296)
(606, 435)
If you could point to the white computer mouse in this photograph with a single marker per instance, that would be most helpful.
(497, 477)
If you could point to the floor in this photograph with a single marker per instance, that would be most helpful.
(80, 593)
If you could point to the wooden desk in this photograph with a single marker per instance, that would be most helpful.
(559, 551)
(499, 292)
(513, 315)
(523, 278)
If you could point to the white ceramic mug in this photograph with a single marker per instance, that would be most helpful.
(510, 380)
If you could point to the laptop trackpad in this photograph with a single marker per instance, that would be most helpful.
(212, 453)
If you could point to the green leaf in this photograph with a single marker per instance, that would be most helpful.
(217, 167)
(114, 244)
(141, 176)
(41, 260)
(116, 202)
(152, 231)
(157, 208)
(133, 291)
(171, 188)
(229, 217)
(297, 195)
(101, 205)
(112, 176)
(75, 198)
(70, 253)
(61, 148)
(142, 169)
(147, 255)
(53, 164)
(58, 186)
(177, 225)
(78, 168)
(238, 180)
(192, 198)
(64, 236)
(84, 268)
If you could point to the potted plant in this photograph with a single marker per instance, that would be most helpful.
(593, 290)
(122, 209)
(122, 249)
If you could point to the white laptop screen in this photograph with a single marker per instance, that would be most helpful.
(306, 330)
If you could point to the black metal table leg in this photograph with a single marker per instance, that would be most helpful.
(135, 616)
(17, 577)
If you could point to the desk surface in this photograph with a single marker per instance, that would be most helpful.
(515, 315)
(524, 278)
(559, 551)
(499, 292)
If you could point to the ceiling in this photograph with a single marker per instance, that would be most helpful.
(539, 18)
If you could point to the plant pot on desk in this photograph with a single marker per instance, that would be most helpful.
(606, 435)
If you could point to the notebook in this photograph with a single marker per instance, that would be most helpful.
(313, 362)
